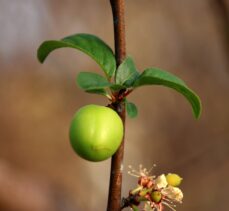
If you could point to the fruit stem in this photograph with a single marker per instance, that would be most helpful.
(114, 197)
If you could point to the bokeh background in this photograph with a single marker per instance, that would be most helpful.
(38, 169)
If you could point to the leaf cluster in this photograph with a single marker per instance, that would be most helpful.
(117, 82)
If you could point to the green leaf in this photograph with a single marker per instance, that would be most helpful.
(117, 87)
(91, 81)
(87, 43)
(95, 83)
(134, 207)
(156, 76)
(98, 92)
(126, 73)
(131, 109)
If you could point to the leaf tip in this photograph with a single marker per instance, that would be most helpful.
(40, 55)
(199, 111)
(198, 107)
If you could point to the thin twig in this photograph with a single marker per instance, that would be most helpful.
(114, 198)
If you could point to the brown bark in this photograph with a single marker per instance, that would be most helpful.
(114, 198)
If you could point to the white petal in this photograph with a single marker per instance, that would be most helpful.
(173, 193)
(148, 207)
(161, 181)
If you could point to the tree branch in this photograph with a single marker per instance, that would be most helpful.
(114, 198)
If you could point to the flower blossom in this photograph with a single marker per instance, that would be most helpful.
(154, 191)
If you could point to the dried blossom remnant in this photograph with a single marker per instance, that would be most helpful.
(154, 191)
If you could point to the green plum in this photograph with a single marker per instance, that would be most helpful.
(96, 132)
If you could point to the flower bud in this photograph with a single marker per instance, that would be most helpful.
(173, 179)
(156, 196)
(143, 181)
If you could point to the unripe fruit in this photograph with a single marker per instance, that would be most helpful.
(173, 179)
(156, 196)
(96, 132)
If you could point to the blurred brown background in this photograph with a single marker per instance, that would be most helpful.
(38, 169)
